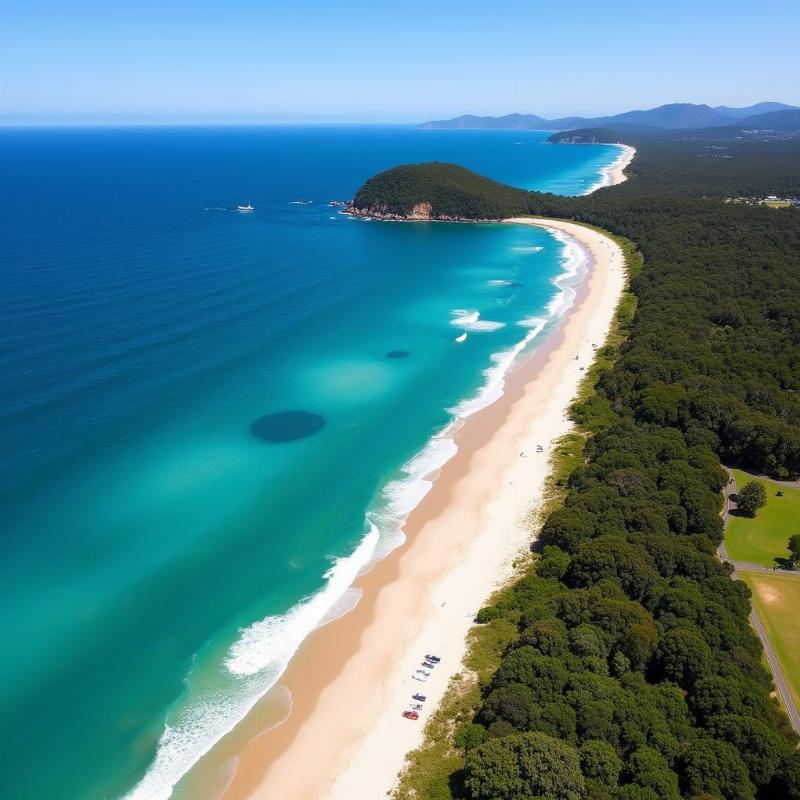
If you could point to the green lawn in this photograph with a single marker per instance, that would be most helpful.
(763, 539)
(776, 598)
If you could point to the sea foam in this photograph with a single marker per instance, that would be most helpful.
(605, 172)
(254, 663)
(471, 321)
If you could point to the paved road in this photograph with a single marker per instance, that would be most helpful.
(777, 673)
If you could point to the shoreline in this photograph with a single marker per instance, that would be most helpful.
(615, 173)
(462, 541)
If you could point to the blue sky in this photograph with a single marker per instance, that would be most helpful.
(350, 60)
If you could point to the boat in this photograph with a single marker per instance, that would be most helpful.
(248, 207)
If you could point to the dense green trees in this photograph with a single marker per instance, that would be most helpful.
(452, 192)
(523, 766)
(751, 497)
(794, 548)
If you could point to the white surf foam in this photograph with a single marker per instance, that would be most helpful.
(574, 262)
(605, 172)
(471, 321)
(254, 663)
(274, 640)
(402, 495)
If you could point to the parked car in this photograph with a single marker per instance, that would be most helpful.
(421, 697)
(435, 659)
(411, 715)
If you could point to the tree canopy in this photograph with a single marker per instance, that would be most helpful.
(751, 497)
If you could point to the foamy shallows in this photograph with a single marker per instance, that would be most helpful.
(606, 172)
(257, 660)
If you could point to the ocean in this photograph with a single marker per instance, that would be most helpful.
(211, 421)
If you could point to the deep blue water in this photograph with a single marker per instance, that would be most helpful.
(203, 412)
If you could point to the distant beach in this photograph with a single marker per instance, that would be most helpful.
(615, 173)
(351, 680)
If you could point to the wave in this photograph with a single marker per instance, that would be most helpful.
(402, 495)
(471, 321)
(255, 662)
(574, 261)
(605, 178)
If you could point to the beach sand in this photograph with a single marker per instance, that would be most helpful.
(345, 736)
(616, 173)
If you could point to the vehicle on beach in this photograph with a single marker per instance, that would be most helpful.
(434, 659)
(417, 706)
(419, 677)
(421, 697)
(423, 672)
(248, 207)
(411, 715)
(428, 664)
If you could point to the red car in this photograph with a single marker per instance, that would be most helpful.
(411, 715)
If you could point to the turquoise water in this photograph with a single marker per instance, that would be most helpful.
(212, 420)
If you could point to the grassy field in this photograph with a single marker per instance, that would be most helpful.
(776, 598)
(763, 539)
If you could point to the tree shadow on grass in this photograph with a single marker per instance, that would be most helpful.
(456, 782)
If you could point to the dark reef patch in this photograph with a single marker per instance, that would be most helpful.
(286, 426)
(398, 354)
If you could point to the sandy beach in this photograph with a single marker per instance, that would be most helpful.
(350, 681)
(616, 173)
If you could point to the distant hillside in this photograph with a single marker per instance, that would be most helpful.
(758, 108)
(530, 122)
(588, 136)
(674, 116)
(786, 120)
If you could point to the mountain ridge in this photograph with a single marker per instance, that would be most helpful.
(672, 116)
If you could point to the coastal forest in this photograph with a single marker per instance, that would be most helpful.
(626, 667)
